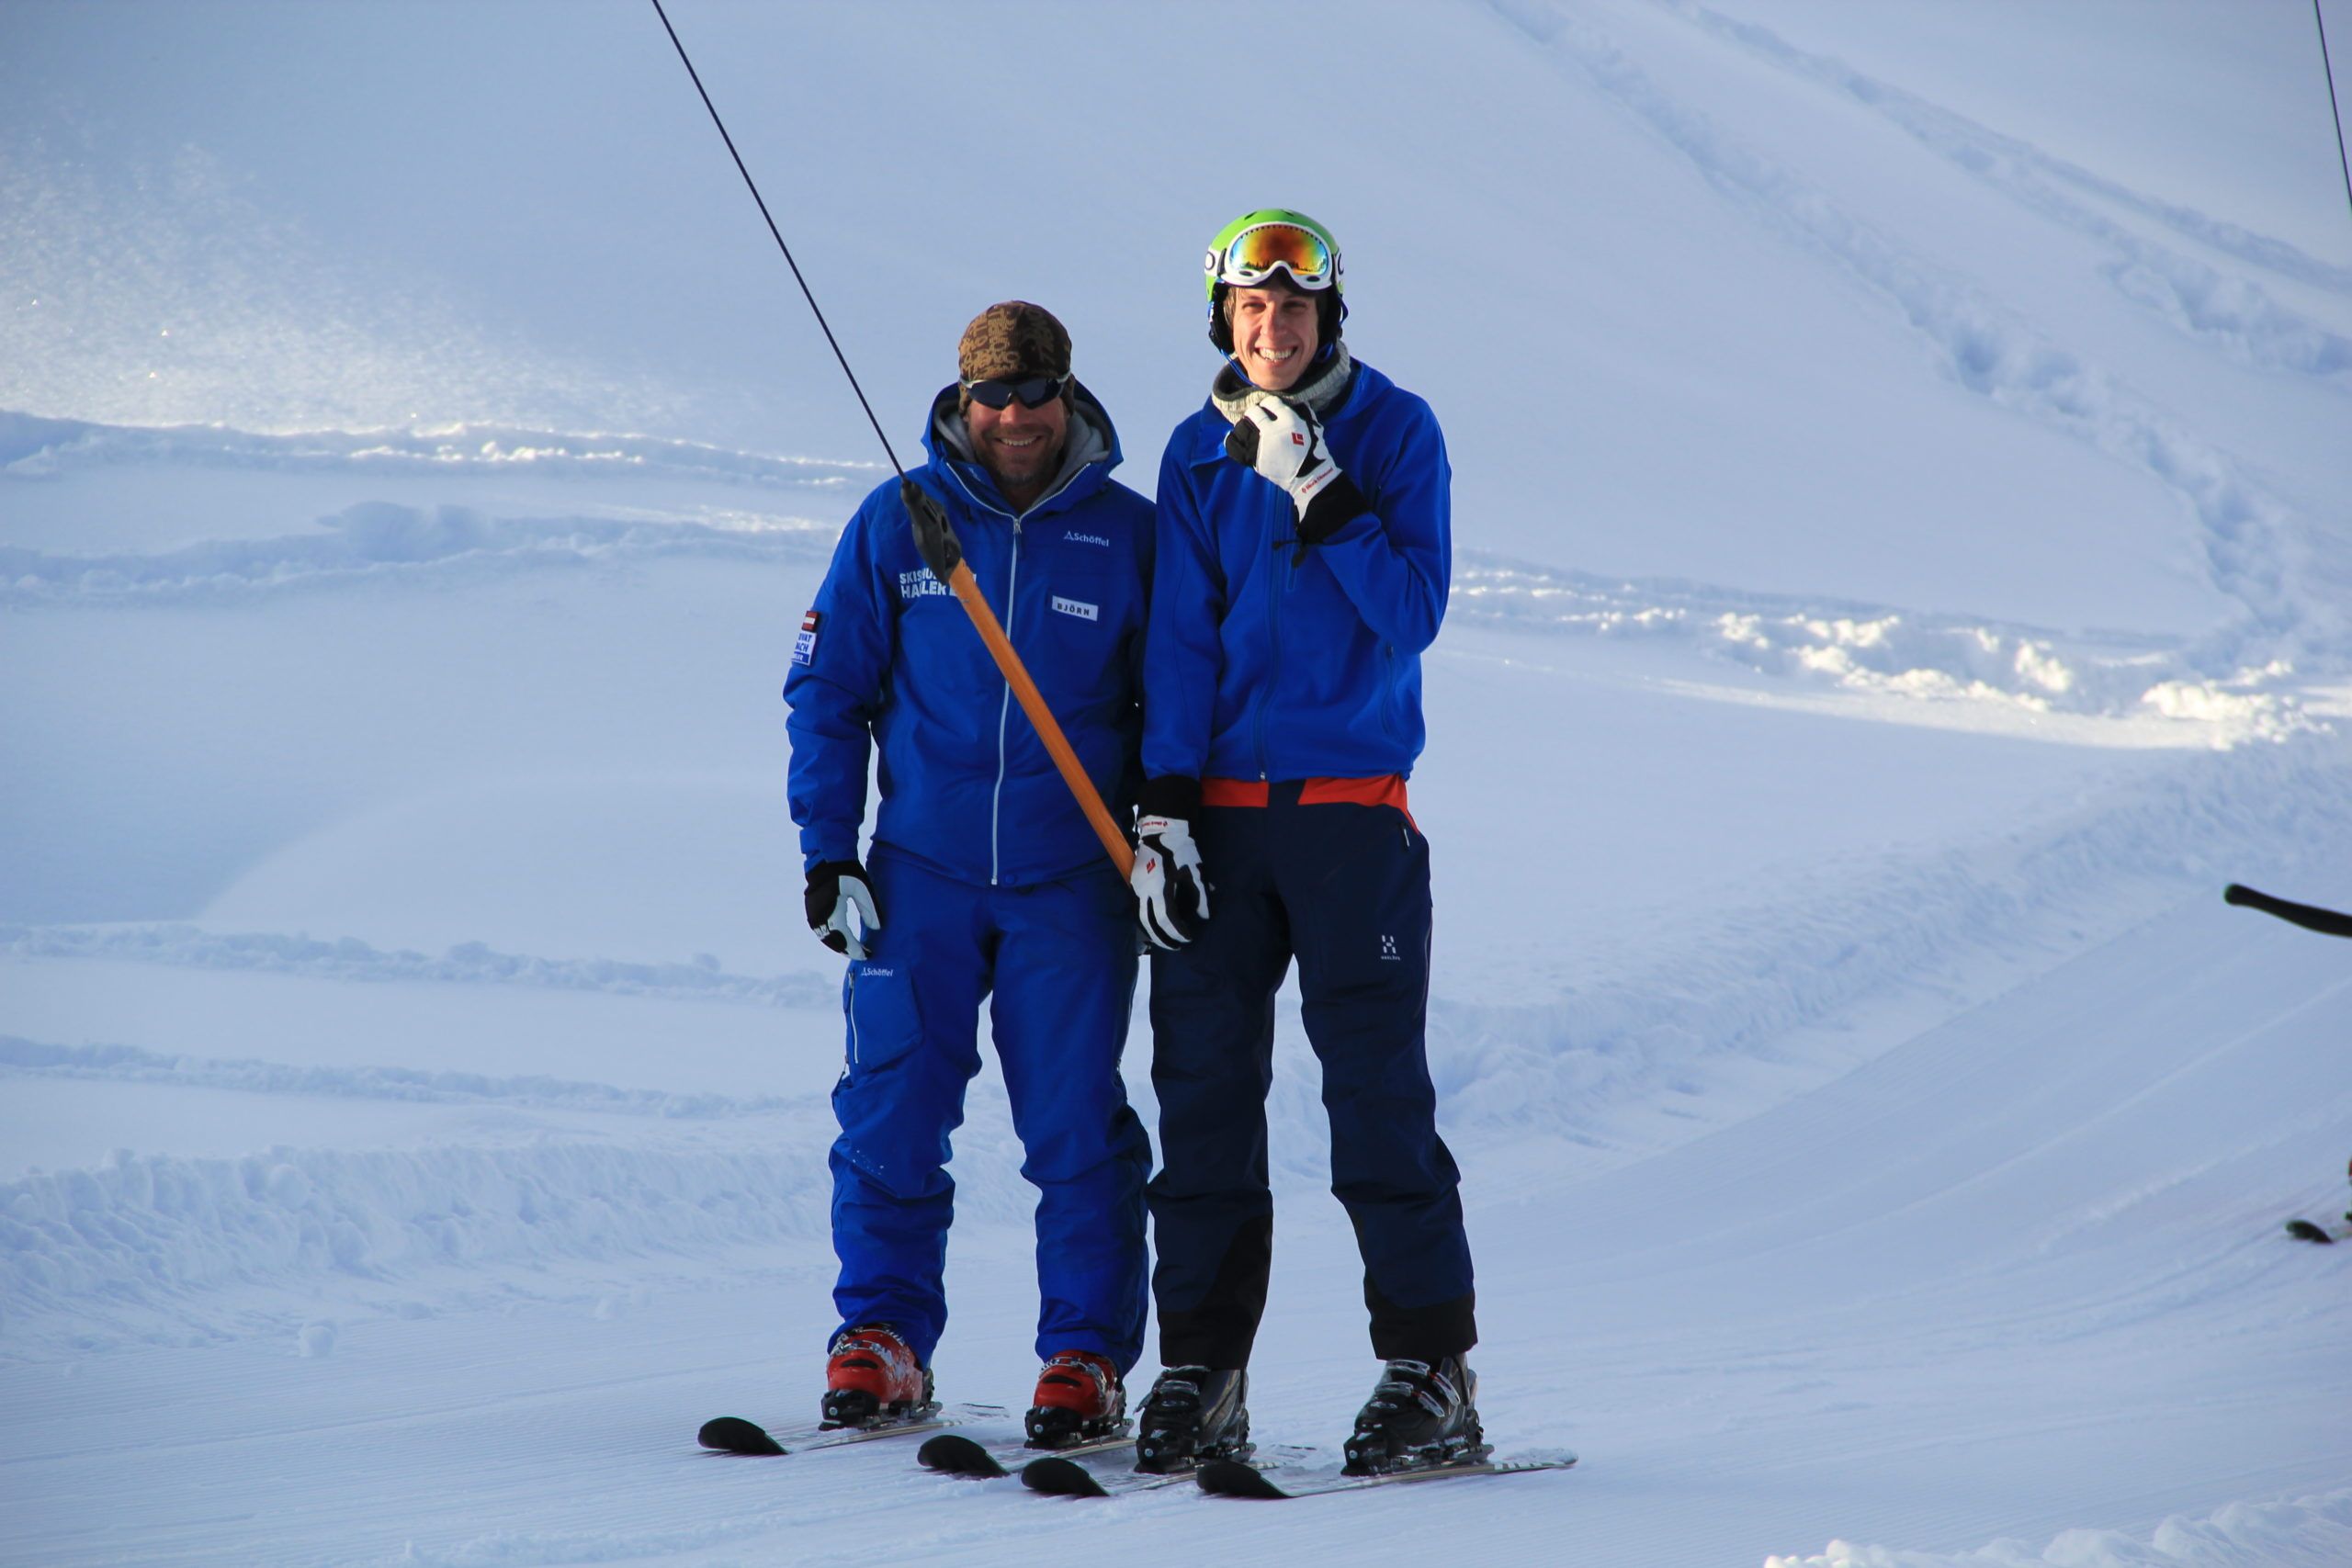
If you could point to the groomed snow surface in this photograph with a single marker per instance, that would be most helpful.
(1903, 533)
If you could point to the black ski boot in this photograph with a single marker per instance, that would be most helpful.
(1419, 1416)
(1193, 1414)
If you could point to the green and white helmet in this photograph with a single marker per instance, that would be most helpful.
(1258, 247)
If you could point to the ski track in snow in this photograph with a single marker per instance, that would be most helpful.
(2234, 315)
(473, 962)
(2290, 579)
(130, 1063)
(137, 1248)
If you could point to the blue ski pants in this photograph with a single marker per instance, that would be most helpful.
(1058, 961)
(1344, 888)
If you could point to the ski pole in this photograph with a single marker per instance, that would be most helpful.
(2310, 917)
(933, 535)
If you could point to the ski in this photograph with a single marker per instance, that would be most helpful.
(952, 1453)
(1058, 1475)
(733, 1435)
(1220, 1478)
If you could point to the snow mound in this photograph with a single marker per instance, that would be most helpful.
(2308, 1532)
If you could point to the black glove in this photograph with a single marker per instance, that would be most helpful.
(836, 886)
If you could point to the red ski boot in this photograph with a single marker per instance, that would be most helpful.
(1078, 1398)
(871, 1380)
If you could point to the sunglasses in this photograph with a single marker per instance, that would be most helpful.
(1035, 391)
(1256, 254)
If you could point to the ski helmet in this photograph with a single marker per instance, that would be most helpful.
(1254, 247)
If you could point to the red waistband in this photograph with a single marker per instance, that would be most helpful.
(1387, 789)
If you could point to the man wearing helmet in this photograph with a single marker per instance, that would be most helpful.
(984, 879)
(1302, 561)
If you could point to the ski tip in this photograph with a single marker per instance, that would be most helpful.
(1232, 1478)
(957, 1455)
(2303, 1230)
(1061, 1478)
(733, 1435)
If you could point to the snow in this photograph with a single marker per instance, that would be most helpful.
(1901, 567)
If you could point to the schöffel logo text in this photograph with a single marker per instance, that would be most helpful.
(1088, 539)
(919, 584)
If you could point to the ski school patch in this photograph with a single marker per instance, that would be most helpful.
(1078, 607)
(804, 646)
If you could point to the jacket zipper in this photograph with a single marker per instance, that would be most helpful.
(1004, 712)
(1285, 572)
(1004, 715)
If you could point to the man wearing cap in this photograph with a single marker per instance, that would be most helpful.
(1304, 547)
(984, 879)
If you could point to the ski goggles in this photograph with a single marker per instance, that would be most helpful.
(1253, 255)
(1035, 391)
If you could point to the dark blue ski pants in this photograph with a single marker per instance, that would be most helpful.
(1059, 961)
(1344, 888)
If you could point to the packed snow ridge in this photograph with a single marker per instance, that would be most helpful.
(1931, 657)
(2304, 1532)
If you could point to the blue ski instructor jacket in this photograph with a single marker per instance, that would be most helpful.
(1269, 660)
(887, 660)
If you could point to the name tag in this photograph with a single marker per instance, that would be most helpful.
(1078, 607)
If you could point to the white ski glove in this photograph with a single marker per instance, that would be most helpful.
(835, 887)
(1284, 444)
(1172, 896)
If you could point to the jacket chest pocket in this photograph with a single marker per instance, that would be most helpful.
(1080, 613)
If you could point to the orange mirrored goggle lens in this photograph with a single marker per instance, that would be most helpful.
(1254, 254)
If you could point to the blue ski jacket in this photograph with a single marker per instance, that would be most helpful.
(1269, 660)
(887, 658)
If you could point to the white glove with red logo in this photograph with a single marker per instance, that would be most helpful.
(1172, 893)
(1172, 897)
(1284, 444)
